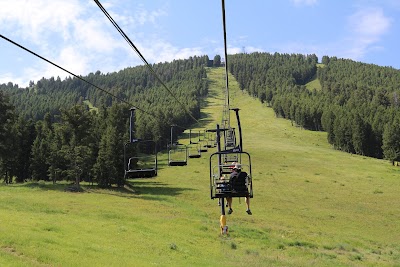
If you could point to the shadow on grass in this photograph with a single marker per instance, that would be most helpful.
(139, 188)
(149, 189)
(47, 186)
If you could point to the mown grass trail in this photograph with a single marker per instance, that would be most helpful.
(312, 206)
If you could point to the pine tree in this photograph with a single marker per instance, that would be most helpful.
(6, 140)
(359, 135)
(391, 141)
(41, 151)
(217, 61)
(23, 137)
(105, 169)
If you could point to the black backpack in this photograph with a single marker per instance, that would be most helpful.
(238, 182)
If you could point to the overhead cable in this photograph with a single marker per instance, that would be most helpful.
(131, 44)
(227, 105)
(226, 50)
(82, 79)
(76, 76)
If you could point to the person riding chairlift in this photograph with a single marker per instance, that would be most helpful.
(237, 181)
(226, 187)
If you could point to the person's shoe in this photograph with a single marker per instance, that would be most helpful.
(249, 212)
(226, 205)
(230, 211)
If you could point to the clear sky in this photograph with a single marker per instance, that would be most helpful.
(76, 35)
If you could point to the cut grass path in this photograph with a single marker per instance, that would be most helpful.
(312, 206)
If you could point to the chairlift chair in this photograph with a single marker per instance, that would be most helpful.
(220, 163)
(220, 186)
(140, 159)
(194, 150)
(203, 146)
(230, 138)
(140, 156)
(178, 155)
(211, 139)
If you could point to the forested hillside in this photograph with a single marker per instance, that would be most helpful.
(48, 133)
(358, 104)
(184, 77)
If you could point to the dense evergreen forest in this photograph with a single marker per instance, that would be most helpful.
(357, 104)
(48, 131)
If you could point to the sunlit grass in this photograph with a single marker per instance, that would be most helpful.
(312, 206)
(314, 84)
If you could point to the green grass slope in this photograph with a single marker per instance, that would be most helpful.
(312, 206)
(314, 84)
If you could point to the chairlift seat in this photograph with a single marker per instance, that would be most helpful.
(177, 163)
(140, 173)
(224, 190)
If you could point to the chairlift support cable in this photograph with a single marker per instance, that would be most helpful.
(151, 172)
(225, 118)
(74, 75)
(142, 58)
(152, 116)
(227, 105)
(229, 136)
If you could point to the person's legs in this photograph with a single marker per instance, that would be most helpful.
(229, 201)
(248, 205)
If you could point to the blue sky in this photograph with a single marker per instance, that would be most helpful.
(76, 35)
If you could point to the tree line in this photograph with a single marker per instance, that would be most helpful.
(357, 104)
(49, 133)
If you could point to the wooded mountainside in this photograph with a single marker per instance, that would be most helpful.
(49, 133)
(357, 104)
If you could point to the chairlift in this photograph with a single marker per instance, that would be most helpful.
(178, 155)
(220, 186)
(140, 159)
(203, 146)
(211, 143)
(202, 135)
(193, 138)
(229, 138)
(202, 141)
(140, 156)
(194, 147)
(194, 150)
(221, 164)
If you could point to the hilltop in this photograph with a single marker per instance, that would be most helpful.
(313, 205)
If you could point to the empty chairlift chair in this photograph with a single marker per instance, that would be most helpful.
(140, 156)
(140, 159)
(194, 151)
(177, 155)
